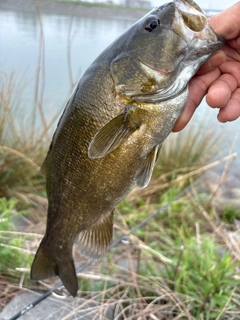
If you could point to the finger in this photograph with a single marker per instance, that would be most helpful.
(226, 23)
(231, 52)
(198, 87)
(235, 44)
(186, 115)
(232, 110)
(221, 90)
(232, 68)
(213, 62)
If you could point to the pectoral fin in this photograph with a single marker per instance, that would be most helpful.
(109, 137)
(144, 175)
(94, 242)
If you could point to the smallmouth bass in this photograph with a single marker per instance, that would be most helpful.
(111, 131)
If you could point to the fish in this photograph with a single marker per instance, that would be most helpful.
(109, 136)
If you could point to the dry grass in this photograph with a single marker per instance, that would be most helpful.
(20, 149)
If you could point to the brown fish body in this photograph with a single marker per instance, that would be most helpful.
(109, 136)
(89, 186)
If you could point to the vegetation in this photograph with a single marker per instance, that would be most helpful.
(12, 251)
(21, 151)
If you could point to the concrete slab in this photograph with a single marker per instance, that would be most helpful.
(54, 308)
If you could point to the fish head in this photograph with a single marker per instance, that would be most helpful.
(160, 53)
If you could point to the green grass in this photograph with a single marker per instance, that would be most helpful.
(14, 250)
(230, 213)
(205, 274)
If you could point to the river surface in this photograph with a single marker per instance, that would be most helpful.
(26, 33)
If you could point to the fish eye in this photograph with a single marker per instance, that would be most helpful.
(151, 23)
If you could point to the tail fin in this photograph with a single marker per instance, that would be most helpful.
(45, 266)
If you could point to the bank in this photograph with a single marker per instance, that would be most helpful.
(72, 8)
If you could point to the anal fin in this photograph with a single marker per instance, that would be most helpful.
(94, 241)
(144, 175)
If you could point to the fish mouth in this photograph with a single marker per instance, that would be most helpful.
(191, 14)
(191, 24)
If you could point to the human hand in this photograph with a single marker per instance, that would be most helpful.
(219, 77)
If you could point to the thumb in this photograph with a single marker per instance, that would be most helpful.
(227, 23)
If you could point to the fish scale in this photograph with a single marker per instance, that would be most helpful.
(110, 134)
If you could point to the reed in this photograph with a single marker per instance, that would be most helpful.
(21, 149)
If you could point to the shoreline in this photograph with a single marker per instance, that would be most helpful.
(73, 9)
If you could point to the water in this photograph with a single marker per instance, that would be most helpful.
(20, 43)
(88, 35)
